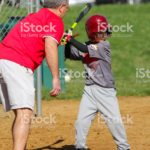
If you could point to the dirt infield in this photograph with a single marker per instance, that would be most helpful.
(55, 130)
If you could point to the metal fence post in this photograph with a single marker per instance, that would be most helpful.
(39, 79)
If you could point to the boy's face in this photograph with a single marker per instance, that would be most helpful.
(98, 37)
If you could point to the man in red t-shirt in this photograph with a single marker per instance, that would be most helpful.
(30, 41)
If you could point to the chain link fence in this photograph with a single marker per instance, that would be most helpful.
(12, 11)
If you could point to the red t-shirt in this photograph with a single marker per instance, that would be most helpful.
(25, 43)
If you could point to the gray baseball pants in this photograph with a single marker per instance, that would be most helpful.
(98, 99)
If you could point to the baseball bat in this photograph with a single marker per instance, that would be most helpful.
(84, 12)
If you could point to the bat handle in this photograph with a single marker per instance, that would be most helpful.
(67, 31)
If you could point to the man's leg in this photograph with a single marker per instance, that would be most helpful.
(18, 94)
(20, 128)
(87, 112)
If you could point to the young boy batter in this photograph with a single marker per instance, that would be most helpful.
(99, 92)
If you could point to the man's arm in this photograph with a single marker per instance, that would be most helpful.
(51, 52)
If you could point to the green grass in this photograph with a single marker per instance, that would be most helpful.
(128, 53)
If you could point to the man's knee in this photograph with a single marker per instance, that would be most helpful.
(23, 115)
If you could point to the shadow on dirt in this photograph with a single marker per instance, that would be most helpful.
(65, 147)
(50, 147)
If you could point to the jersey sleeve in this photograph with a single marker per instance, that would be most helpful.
(72, 53)
(93, 50)
(100, 50)
(75, 53)
(54, 29)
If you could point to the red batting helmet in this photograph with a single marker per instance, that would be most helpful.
(96, 24)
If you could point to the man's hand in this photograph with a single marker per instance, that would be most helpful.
(56, 88)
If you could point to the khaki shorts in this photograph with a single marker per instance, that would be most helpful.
(16, 86)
